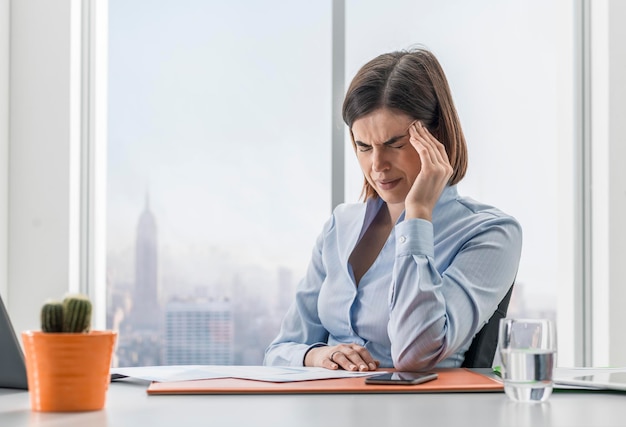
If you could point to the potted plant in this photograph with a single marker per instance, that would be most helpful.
(68, 364)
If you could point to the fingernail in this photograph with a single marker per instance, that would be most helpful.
(362, 368)
(372, 366)
(352, 367)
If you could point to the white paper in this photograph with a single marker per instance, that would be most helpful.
(260, 373)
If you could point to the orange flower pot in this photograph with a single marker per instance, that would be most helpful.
(68, 372)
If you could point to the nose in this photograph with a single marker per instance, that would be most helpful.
(380, 162)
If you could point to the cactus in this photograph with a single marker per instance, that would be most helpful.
(72, 315)
(52, 317)
(76, 314)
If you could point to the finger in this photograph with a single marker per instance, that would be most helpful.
(440, 148)
(354, 359)
(329, 364)
(423, 150)
(418, 130)
(438, 153)
(433, 155)
(423, 131)
(420, 137)
(372, 364)
(346, 362)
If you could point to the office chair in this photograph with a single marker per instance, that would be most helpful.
(483, 347)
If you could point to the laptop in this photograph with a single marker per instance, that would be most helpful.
(12, 366)
(600, 380)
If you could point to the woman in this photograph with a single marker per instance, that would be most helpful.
(407, 278)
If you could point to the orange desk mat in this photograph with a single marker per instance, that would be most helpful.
(450, 380)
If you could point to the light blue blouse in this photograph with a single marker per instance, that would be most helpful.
(431, 289)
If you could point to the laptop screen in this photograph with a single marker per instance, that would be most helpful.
(12, 367)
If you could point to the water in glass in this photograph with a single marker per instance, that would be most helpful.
(528, 374)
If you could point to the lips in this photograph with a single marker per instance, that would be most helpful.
(387, 184)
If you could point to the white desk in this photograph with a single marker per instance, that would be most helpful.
(129, 405)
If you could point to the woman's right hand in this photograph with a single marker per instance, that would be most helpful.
(435, 172)
(351, 357)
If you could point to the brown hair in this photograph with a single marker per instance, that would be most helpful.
(413, 83)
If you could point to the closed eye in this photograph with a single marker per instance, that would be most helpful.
(362, 147)
(396, 142)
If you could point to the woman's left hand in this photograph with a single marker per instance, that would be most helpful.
(351, 357)
(434, 174)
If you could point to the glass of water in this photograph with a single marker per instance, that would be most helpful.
(528, 352)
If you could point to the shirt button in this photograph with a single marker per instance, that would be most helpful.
(402, 239)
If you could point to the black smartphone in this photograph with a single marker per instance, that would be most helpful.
(401, 378)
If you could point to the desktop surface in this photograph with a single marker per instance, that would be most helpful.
(128, 404)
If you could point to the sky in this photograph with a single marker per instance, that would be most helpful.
(220, 112)
(229, 140)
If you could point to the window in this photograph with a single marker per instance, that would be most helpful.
(219, 154)
(509, 64)
(218, 172)
(41, 215)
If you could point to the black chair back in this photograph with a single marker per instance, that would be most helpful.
(483, 347)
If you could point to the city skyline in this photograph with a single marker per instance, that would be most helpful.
(199, 332)
(229, 325)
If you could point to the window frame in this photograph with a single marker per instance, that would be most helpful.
(53, 171)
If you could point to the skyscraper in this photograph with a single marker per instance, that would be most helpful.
(146, 312)
(199, 332)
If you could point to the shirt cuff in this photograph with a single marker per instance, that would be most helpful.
(319, 344)
(415, 237)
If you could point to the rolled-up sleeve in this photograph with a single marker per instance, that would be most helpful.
(434, 312)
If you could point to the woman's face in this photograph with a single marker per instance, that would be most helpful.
(387, 158)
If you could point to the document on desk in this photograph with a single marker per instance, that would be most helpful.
(259, 373)
(449, 380)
